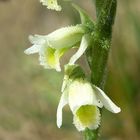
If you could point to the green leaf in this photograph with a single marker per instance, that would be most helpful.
(85, 18)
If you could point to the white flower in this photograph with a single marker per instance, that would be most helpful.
(52, 46)
(51, 4)
(84, 100)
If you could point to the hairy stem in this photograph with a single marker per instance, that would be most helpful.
(97, 54)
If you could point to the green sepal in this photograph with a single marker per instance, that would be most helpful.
(74, 72)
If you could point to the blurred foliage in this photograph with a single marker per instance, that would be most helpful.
(29, 94)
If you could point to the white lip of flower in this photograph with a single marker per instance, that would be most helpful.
(84, 100)
(52, 46)
(51, 4)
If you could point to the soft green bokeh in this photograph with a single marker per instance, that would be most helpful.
(29, 94)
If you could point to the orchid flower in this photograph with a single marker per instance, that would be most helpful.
(51, 4)
(85, 101)
(52, 46)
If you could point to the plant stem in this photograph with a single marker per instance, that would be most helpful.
(90, 135)
(97, 54)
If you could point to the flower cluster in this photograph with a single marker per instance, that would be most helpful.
(84, 98)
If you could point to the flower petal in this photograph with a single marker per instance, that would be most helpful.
(51, 4)
(83, 46)
(62, 103)
(108, 104)
(65, 82)
(65, 37)
(58, 54)
(87, 116)
(49, 57)
(33, 49)
(37, 39)
(81, 93)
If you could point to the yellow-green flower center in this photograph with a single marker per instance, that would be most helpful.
(87, 114)
(49, 56)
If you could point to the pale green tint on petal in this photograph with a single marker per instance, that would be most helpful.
(65, 37)
(51, 4)
(83, 46)
(62, 103)
(107, 103)
(81, 93)
(49, 58)
(87, 116)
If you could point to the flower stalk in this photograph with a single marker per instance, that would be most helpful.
(97, 53)
(85, 97)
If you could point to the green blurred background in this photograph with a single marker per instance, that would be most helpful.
(29, 94)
